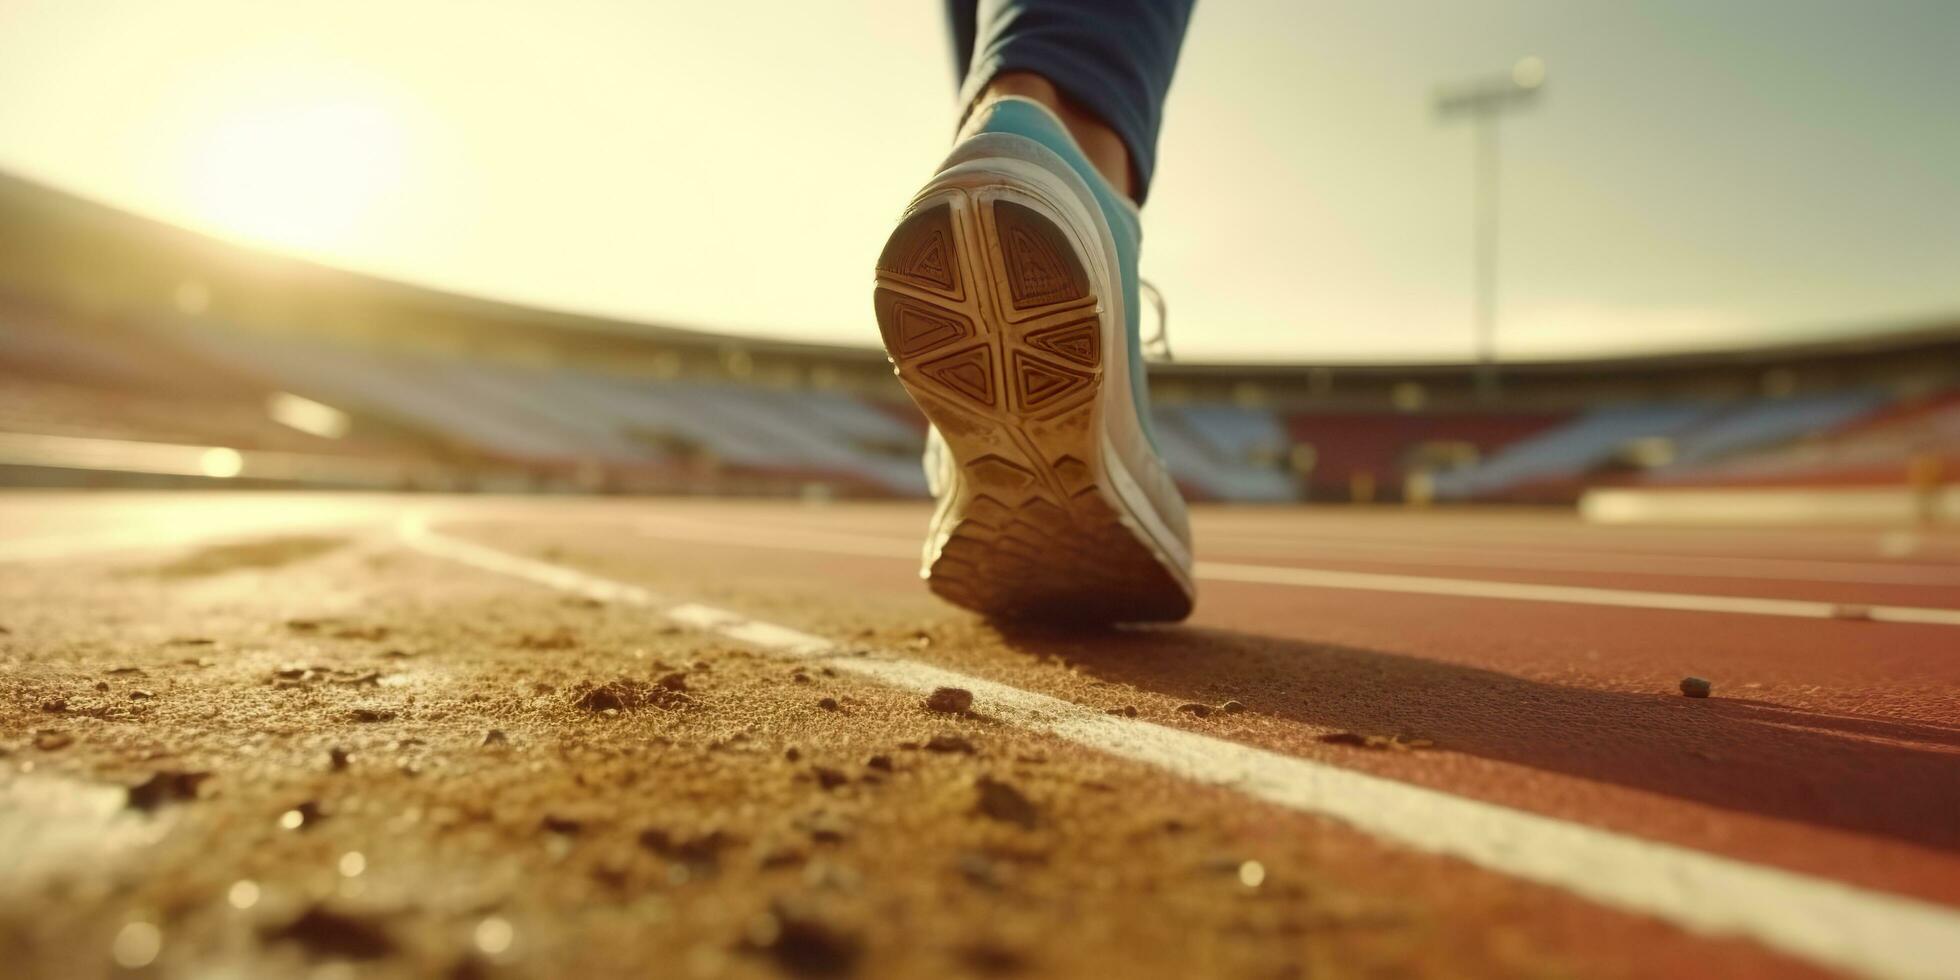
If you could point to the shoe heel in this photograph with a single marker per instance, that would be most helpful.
(995, 329)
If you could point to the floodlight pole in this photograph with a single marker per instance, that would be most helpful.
(1484, 101)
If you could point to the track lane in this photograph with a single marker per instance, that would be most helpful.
(1687, 592)
(1920, 585)
(1701, 891)
(1106, 883)
(1585, 727)
(1880, 684)
(1535, 530)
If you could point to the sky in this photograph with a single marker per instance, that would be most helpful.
(1695, 175)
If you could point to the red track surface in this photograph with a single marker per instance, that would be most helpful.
(1831, 747)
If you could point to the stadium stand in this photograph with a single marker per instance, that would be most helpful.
(141, 333)
(1890, 445)
(554, 414)
(1769, 422)
(381, 387)
(1343, 451)
(1548, 465)
(1225, 452)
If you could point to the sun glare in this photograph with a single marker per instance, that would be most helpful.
(304, 175)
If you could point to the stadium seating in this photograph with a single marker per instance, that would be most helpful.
(400, 389)
(1768, 422)
(1880, 446)
(1567, 453)
(554, 414)
(1225, 452)
(1382, 448)
(205, 383)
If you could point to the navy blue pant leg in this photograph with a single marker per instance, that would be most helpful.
(1113, 58)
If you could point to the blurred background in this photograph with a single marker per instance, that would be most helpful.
(1660, 261)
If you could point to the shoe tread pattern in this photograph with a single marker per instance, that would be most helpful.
(1036, 536)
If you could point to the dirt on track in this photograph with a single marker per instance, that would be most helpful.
(324, 754)
(539, 785)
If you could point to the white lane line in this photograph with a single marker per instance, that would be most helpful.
(1575, 594)
(1487, 559)
(123, 539)
(50, 824)
(1697, 565)
(175, 529)
(68, 545)
(1827, 922)
(1317, 578)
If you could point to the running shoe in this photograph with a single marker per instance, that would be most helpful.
(1007, 299)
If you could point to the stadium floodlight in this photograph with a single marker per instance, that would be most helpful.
(1483, 101)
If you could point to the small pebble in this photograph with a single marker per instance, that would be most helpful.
(166, 786)
(1696, 687)
(1232, 707)
(804, 945)
(1002, 801)
(1194, 708)
(827, 704)
(950, 700)
(301, 815)
(329, 932)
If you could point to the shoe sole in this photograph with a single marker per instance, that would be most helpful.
(997, 332)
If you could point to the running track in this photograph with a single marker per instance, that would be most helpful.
(1538, 655)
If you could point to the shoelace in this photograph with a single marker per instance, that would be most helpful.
(1160, 342)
